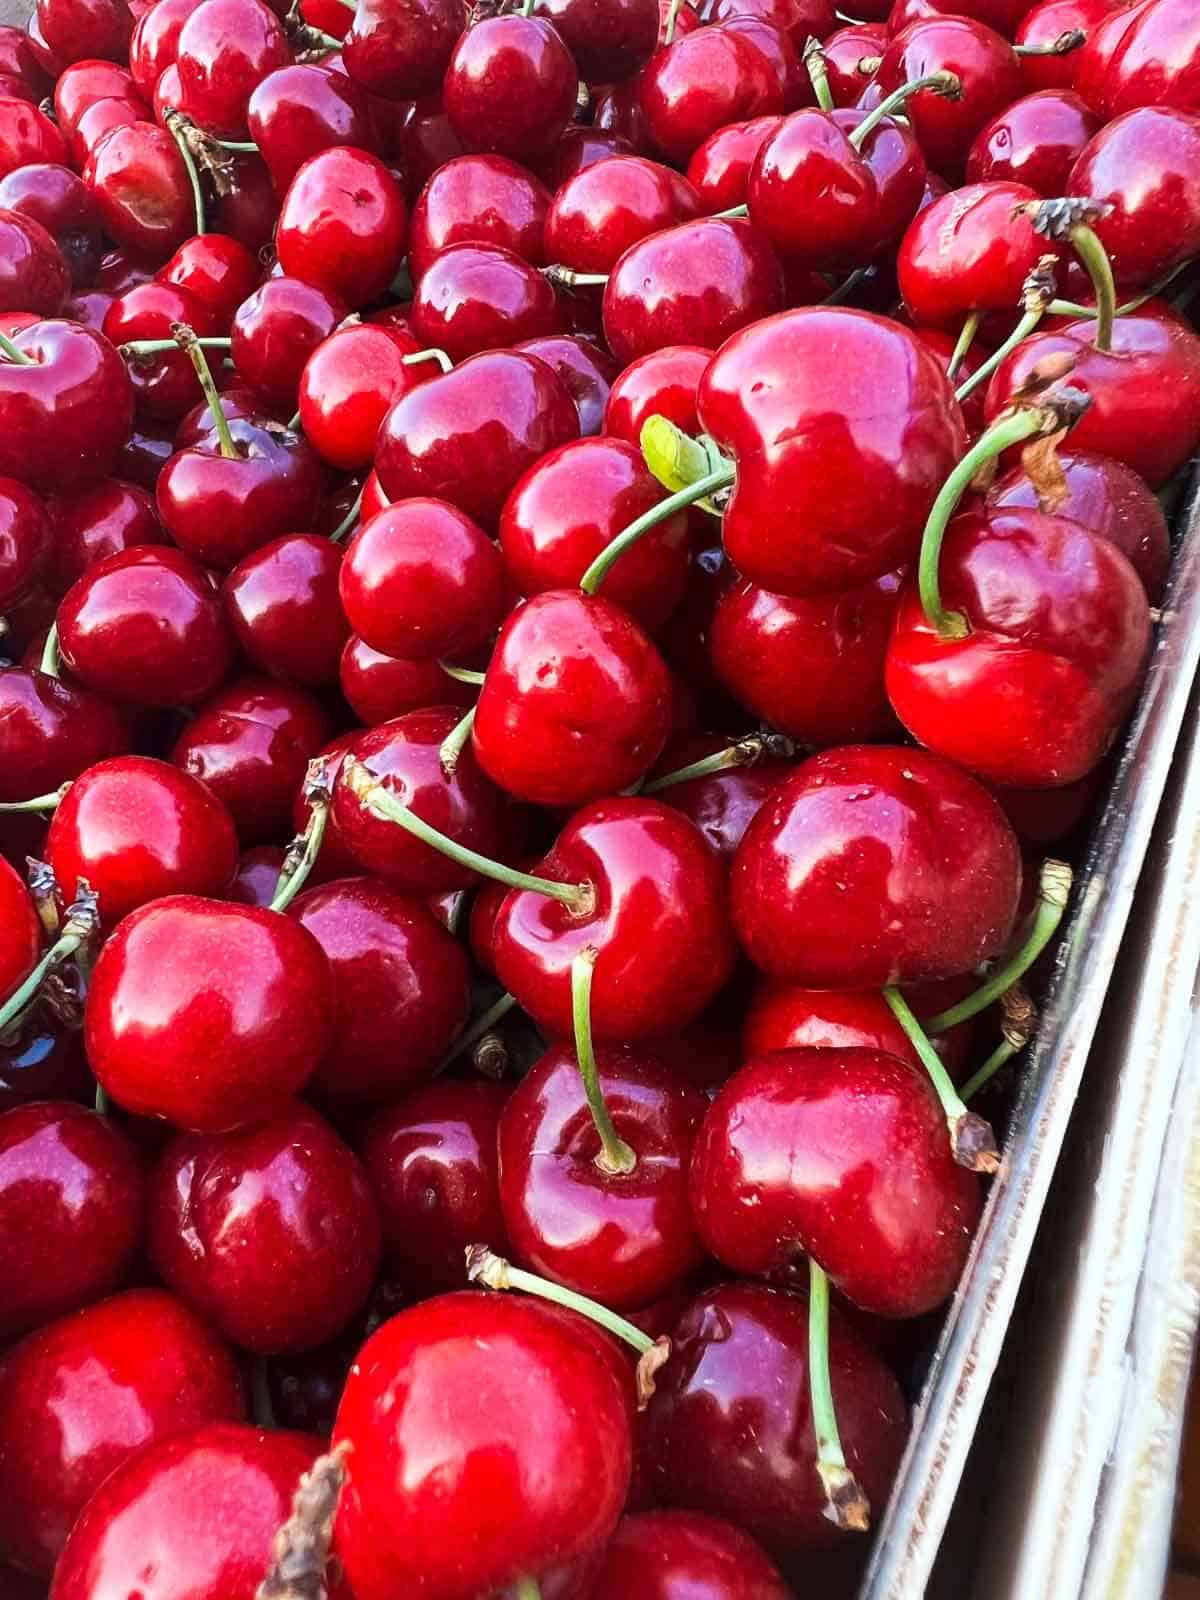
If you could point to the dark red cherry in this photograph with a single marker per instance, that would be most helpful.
(33, 273)
(224, 51)
(270, 1233)
(19, 60)
(94, 523)
(21, 938)
(466, 436)
(79, 1177)
(598, 214)
(27, 135)
(799, 19)
(138, 829)
(139, 183)
(475, 297)
(1044, 24)
(650, 883)
(1035, 141)
(66, 412)
(1142, 55)
(248, 208)
(739, 1371)
(257, 876)
(56, 197)
(145, 626)
(276, 330)
(50, 732)
(155, 42)
(580, 146)
(400, 986)
(342, 225)
(659, 1555)
(26, 540)
(297, 111)
(217, 270)
(478, 199)
(432, 1162)
(586, 371)
(843, 877)
(165, 385)
(970, 251)
(845, 50)
(663, 383)
(510, 86)
(76, 30)
(85, 1394)
(609, 39)
(349, 383)
(698, 282)
(571, 505)
(720, 803)
(720, 169)
(402, 54)
(841, 1155)
(463, 1414)
(282, 601)
(207, 1014)
(702, 82)
(379, 687)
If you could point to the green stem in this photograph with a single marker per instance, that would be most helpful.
(484, 1266)
(349, 521)
(461, 674)
(845, 1503)
(41, 802)
(101, 1102)
(672, 18)
(527, 1589)
(1095, 258)
(1004, 1051)
(966, 338)
(293, 422)
(174, 126)
(818, 74)
(567, 278)
(302, 856)
(674, 457)
(1066, 42)
(154, 347)
(484, 1023)
(187, 341)
(971, 1138)
(9, 350)
(371, 793)
(237, 144)
(615, 1156)
(1029, 321)
(699, 490)
(744, 753)
(79, 927)
(49, 663)
(945, 83)
(418, 356)
(1054, 889)
(454, 743)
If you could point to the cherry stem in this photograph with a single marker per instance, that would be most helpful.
(943, 83)
(474, 1031)
(455, 742)
(616, 548)
(371, 793)
(734, 211)
(846, 288)
(745, 753)
(49, 663)
(1066, 42)
(818, 73)
(1020, 1019)
(1054, 889)
(349, 521)
(9, 350)
(100, 1101)
(43, 886)
(1029, 321)
(971, 1138)
(300, 1552)
(41, 802)
(1006, 431)
(615, 1158)
(174, 126)
(186, 340)
(966, 338)
(484, 1266)
(672, 18)
(153, 347)
(304, 849)
(527, 1589)
(1095, 258)
(418, 356)
(80, 926)
(845, 1503)
(566, 278)
(237, 144)
(1071, 308)
(461, 674)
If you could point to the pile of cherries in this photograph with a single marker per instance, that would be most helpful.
(563, 566)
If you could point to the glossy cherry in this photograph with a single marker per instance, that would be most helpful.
(663, 383)
(33, 274)
(94, 523)
(282, 601)
(784, 1016)
(609, 39)
(56, 197)
(21, 941)
(66, 411)
(224, 51)
(475, 297)
(299, 110)
(95, 28)
(349, 383)
(379, 687)
(165, 385)
(1035, 141)
(139, 183)
(276, 330)
(599, 213)
(510, 86)
(1045, 23)
(478, 199)
(586, 371)
(720, 803)
(217, 270)
(845, 51)
(1143, 54)
(342, 225)
(85, 1394)
(26, 540)
(720, 169)
(400, 55)
(969, 252)
(51, 731)
(704, 81)
(656, 1555)
(842, 878)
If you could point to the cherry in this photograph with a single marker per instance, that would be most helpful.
(658, 1555)
(650, 882)
(165, 385)
(19, 61)
(33, 273)
(466, 436)
(663, 383)
(87, 1393)
(1035, 142)
(700, 281)
(838, 462)
(609, 39)
(811, 667)
(842, 878)
(401, 55)
(510, 86)
(342, 225)
(25, 540)
(87, 83)
(297, 111)
(247, 208)
(617, 110)
(224, 51)
(569, 507)
(478, 199)
(1110, 501)
(580, 146)
(470, 1467)
(421, 579)
(989, 75)
(845, 52)
(597, 215)
(21, 943)
(1142, 55)
(155, 42)
(139, 183)
(405, 756)
(199, 1512)
(50, 732)
(217, 270)
(76, 30)
(145, 626)
(66, 407)
(257, 876)
(432, 1162)
(78, 1175)
(276, 330)
(720, 169)
(1047, 606)
(721, 796)
(348, 384)
(400, 985)
(1144, 167)
(704, 81)
(475, 297)
(250, 744)
(1045, 23)
(739, 1372)
(586, 371)
(379, 687)
(94, 523)
(282, 601)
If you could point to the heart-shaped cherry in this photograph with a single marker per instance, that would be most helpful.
(282, 601)
(478, 199)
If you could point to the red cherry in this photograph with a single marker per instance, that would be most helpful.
(94, 523)
(21, 940)
(79, 29)
(585, 370)
(33, 274)
(784, 1016)
(432, 1162)
(609, 39)
(598, 214)
(165, 385)
(970, 251)
(471, 1468)
(475, 297)
(379, 687)
(739, 1370)
(257, 876)
(282, 601)
(400, 55)
(580, 146)
(224, 51)
(702, 82)
(85, 1394)
(842, 879)
(348, 384)
(720, 169)
(342, 225)
(299, 110)
(1142, 55)
(478, 199)
(50, 732)
(145, 626)
(25, 540)
(1045, 23)
(1035, 141)
(66, 411)
(510, 86)
(217, 270)
(658, 1555)
(721, 802)
(653, 883)
(140, 185)
(269, 1233)
(19, 60)
(55, 197)
(155, 42)
(663, 383)
(79, 1177)
(400, 986)
(845, 50)
(276, 330)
